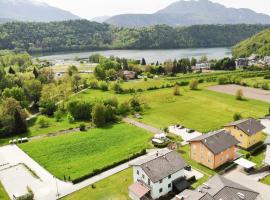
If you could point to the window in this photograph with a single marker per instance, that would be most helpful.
(143, 176)
(138, 173)
(241, 135)
(160, 181)
(169, 185)
(194, 146)
(149, 181)
(209, 160)
(160, 190)
(169, 176)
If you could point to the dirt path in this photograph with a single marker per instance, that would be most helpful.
(251, 93)
(142, 125)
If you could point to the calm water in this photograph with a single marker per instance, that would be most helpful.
(149, 55)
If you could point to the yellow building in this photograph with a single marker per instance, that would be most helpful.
(246, 131)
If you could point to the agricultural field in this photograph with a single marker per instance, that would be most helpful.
(114, 187)
(79, 154)
(3, 194)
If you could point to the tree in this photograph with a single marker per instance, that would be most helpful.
(239, 94)
(72, 70)
(176, 90)
(99, 115)
(193, 61)
(16, 93)
(237, 116)
(76, 82)
(33, 90)
(80, 109)
(135, 104)
(143, 62)
(193, 85)
(19, 123)
(35, 72)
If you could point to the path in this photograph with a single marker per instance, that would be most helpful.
(15, 177)
(142, 125)
(252, 93)
(249, 181)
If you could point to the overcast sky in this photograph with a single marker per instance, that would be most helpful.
(93, 8)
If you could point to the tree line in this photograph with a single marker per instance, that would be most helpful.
(86, 35)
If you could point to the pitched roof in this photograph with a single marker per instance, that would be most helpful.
(249, 126)
(161, 165)
(217, 141)
(220, 188)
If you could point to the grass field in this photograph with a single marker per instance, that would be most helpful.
(115, 188)
(3, 193)
(81, 153)
(202, 110)
(266, 180)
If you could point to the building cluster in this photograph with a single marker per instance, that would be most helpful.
(165, 172)
(253, 60)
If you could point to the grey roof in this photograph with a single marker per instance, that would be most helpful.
(217, 141)
(249, 126)
(162, 165)
(220, 188)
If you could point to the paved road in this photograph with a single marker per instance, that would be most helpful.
(142, 125)
(248, 92)
(16, 177)
(249, 181)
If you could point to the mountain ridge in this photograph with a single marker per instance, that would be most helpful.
(187, 13)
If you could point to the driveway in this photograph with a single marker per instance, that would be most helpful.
(16, 176)
(249, 181)
(142, 125)
(248, 92)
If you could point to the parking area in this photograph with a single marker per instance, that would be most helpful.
(185, 133)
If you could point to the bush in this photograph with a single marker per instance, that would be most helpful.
(123, 109)
(48, 107)
(267, 76)
(70, 118)
(94, 84)
(43, 122)
(58, 115)
(239, 94)
(82, 127)
(176, 90)
(223, 80)
(118, 88)
(79, 109)
(104, 86)
(265, 86)
(247, 155)
(193, 84)
(99, 115)
(237, 116)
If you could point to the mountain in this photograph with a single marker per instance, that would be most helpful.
(257, 44)
(186, 13)
(28, 10)
(100, 19)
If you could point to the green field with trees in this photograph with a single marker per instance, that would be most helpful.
(75, 155)
(86, 35)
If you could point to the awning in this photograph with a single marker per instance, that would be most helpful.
(139, 189)
(245, 163)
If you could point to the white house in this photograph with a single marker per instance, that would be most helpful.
(267, 154)
(156, 175)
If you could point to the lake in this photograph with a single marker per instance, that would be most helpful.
(149, 55)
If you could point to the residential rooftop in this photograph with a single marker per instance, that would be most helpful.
(218, 188)
(217, 141)
(161, 165)
(249, 126)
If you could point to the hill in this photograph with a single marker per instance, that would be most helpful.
(100, 19)
(257, 44)
(86, 35)
(28, 10)
(186, 13)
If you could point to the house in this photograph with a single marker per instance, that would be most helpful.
(157, 175)
(129, 74)
(246, 131)
(202, 66)
(219, 188)
(267, 154)
(213, 149)
(241, 62)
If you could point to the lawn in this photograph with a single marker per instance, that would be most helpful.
(3, 193)
(266, 180)
(115, 187)
(78, 154)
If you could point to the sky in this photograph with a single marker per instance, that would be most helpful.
(89, 9)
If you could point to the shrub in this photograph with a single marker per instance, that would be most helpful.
(70, 118)
(193, 85)
(237, 116)
(82, 127)
(99, 115)
(247, 155)
(104, 86)
(94, 84)
(112, 102)
(58, 115)
(118, 88)
(223, 80)
(265, 86)
(267, 76)
(48, 107)
(239, 94)
(43, 122)
(123, 109)
(176, 90)
(79, 109)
